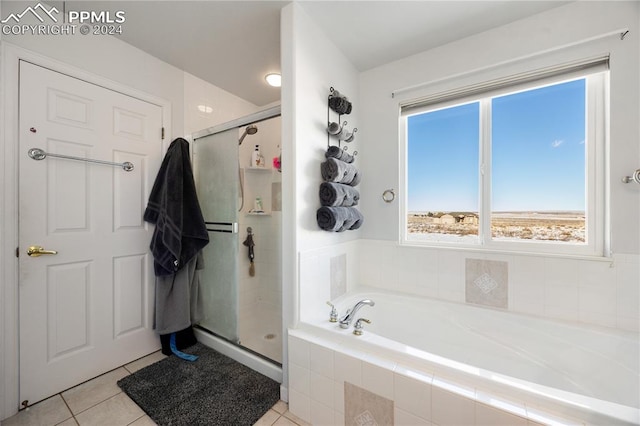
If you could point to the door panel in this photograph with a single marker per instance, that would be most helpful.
(68, 191)
(129, 274)
(68, 109)
(88, 308)
(130, 194)
(216, 175)
(67, 308)
(215, 164)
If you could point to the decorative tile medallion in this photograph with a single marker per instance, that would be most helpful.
(364, 408)
(487, 283)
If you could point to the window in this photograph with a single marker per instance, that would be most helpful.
(517, 167)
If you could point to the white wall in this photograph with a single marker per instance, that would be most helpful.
(594, 292)
(225, 106)
(111, 58)
(318, 65)
(572, 24)
(311, 64)
(261, 295)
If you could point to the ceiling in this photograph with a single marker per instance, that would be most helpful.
(234, 44)
(373, 33)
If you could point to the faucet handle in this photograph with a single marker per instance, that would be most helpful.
(333, 316)
(358, 327)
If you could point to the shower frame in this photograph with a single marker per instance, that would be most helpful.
(230, 349)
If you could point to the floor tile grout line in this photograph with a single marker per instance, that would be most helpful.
(143, 414)
(97, 403)
(109, 398)
(68, 408)
(93, 378)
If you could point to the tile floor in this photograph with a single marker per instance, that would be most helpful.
(101, 402)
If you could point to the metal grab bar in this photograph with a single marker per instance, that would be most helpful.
(38, 154)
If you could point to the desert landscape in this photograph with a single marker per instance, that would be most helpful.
(566, 227)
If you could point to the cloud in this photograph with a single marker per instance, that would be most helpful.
(581, 142)
(556, 143)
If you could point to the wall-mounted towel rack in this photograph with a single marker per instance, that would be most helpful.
(38, 154)
(339, 104)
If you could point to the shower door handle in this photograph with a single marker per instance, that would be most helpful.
(228, 227)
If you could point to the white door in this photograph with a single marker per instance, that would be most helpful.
(88, 308)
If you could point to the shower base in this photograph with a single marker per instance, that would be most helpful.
(237, 353)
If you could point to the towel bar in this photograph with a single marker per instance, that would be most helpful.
(38, 154)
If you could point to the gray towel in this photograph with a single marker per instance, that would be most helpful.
(340, 172)
(339, 154)
(178, 302)
(338, 195)
(338, 219)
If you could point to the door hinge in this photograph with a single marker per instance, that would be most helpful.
(163, 133)
(17, 251)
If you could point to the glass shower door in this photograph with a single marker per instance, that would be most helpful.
(215, 160)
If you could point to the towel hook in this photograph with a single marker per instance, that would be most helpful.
(388, 195)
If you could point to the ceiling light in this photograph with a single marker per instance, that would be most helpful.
(273, 79)
(206, 109)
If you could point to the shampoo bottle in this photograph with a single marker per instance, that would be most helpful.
(257, 160)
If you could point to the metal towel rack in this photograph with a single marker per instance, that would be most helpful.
(38, 154)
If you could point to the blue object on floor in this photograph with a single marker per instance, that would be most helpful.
(179, 354)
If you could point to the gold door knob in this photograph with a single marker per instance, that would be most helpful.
(35, 251)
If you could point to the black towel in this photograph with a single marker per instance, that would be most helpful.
(338, 195)
(180, 231)
(338, 219)
(339, 154)
(340, 172)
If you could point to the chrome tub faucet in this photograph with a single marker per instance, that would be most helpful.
(346, 320)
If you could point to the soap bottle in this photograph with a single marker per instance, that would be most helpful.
(257, 160)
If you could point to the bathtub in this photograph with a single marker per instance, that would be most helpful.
(544, 371)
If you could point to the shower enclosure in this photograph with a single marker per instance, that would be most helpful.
(241, 308)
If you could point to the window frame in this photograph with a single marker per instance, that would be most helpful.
(596, 142)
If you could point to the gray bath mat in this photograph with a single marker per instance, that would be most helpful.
(214, 390)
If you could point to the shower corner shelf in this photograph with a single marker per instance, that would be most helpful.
(257, 169)
(258, 214)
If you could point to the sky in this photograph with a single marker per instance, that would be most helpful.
(538, 153)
